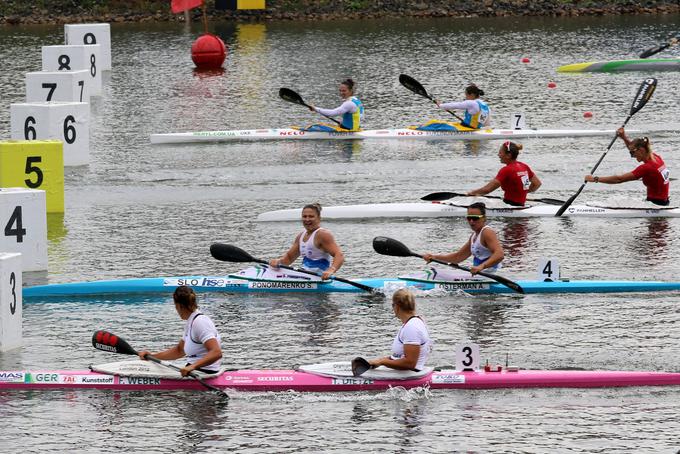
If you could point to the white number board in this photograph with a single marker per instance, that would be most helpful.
(89, 34)
(10, 301)
(23, 224)
(63, 86)
(467, 356)
(75, 58)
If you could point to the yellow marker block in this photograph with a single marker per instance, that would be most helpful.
(34, 164)
(250, 4)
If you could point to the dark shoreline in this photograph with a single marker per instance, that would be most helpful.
(14, 12)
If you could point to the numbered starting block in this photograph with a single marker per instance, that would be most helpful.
(10, 301)
(467, 356)
(548, 270)
(34, 164)
(67, 121)
(75, 58)
(89, 34)
(23, 220)
(64, 86)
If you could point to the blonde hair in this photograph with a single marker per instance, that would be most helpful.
(404, 299)
(314, 206)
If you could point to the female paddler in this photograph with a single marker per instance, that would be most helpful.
(483, 245)
(200, 342)
(352, 110)
(412, 344)
(315, 244)
(516, 179)
(655, 176)
(477, 113)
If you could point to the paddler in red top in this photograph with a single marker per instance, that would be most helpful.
(516, 178)
(655, 176)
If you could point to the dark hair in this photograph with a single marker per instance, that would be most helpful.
(314, 206)
(349, 83)
(642, 142)
(185, 297)
(480, 206)
(512, 148)
(473, 89)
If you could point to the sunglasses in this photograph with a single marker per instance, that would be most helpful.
(474, 217)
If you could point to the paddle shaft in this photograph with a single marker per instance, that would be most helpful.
(571, 199)
(450, 195)
(416, 87)
(295, 98)
(314, 273)
(192, 374)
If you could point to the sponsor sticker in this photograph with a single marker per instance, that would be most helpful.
(95, 379)
(13, 377)
(275, 378)
(202, 281)
(448, 379)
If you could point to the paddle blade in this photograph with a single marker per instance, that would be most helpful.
(230, 253)
(359, 366)
(109, 342)
(645, 92)
(388, 246)
(289, 95)
(654, 50)
(413, 85)
(441, 196)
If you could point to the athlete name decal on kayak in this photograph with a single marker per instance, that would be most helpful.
(448, 378)
(11, 377)
(351, 381)
(463, 286)
(152, 381)
(282, 285)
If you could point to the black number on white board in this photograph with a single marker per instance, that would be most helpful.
(64, 62)
(15, 219)
(29, 130)
(13, 283)
(467, 361)
(81, 84)
(69, 130)
(52, 87)
(547, 269)
(89, 38)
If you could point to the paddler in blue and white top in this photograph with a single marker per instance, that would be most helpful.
(352, 110)
(477, 112)
(316, 245)
(412, 344)
(200, 343)
(483, 245)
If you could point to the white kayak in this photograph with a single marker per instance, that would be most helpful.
(400, 133)
(457, 209)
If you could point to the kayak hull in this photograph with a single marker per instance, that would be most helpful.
(291, 380)
(651, 64)
(228, 285)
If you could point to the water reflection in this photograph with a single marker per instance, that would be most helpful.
(515, 236)
(651, 241)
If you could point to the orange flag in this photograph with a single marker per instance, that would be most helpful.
(179, 6)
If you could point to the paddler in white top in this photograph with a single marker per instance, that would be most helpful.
(412, 344)
(483, 245)
(352, 110)
(477, 113)
(316, 245)
(200, 342)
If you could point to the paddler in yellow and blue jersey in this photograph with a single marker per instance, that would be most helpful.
(477, 113)
(352, 110)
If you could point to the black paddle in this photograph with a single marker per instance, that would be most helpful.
(388, 246)
(663, 46)
(289, 95)
(109, 342)
(417, 88)
(643, 94)
(231, 253)
(359, 366)
(450, 195)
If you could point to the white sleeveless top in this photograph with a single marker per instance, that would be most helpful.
(480, 253)
(199, 329)
(313, 258)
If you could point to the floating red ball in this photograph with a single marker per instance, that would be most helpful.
(588, 114)
(526, 60)
(552, 85)
(208, 52)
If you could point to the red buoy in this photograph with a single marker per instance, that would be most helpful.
(208, 52)
(525, 60)
(587, 114)
(552, 85)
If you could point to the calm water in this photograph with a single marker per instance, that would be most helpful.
(139, 210)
